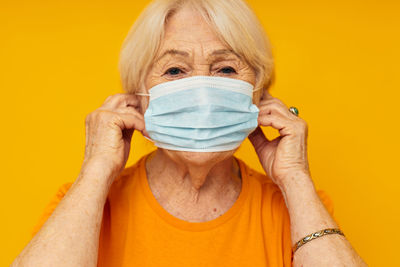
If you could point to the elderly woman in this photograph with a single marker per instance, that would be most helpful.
(196, 73)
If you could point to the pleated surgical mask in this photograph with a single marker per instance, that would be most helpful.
(201, 114)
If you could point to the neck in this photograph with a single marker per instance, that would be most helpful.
(173, 175)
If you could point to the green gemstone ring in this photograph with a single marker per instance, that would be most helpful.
(294, 110)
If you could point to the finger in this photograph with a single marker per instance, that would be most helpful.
(120, 100)
(257, 138)
(277, 104)
(131, 110)
(279, 122)
(272, 100)
(134, 112)
(273, 107)
(129, 121)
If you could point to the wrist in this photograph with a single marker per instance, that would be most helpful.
(295, 181)
(100, 170)
(306, 210)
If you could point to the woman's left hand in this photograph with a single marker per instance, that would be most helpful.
(285, 156)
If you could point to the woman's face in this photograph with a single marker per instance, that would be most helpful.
(191, 48)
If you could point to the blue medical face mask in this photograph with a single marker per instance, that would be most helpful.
(201, 114)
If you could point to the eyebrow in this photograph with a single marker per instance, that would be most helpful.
(173, 52)
(224, 52)
(215, 53)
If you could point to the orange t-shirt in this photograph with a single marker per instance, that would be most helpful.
(137, 231)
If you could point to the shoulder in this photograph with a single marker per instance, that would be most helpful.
(63, 189)
(51, 206)
(123, 177)
(260, 181)
(119, 184)
(130, 174)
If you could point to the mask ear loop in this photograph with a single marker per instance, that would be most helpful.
(149, 139)
(255, 90)
(142, 94)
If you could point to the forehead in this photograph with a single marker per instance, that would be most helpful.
(187, 30)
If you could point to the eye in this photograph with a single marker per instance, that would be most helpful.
(227, 70)
(174, 71)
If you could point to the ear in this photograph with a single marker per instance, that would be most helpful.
(267, 86)
(144, 100)
(257, 96)
(143, 104)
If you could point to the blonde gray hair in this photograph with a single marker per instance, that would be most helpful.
(233, 20)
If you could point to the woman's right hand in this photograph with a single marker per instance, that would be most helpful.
(72, 230)
(109, 131)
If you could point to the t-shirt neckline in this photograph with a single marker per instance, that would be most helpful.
(192, 226)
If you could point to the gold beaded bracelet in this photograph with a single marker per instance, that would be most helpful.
(315, 235)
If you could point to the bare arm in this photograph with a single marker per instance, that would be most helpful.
(70, 236)
(307, 215)
(285, 161)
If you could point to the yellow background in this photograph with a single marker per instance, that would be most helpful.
(337, 61)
